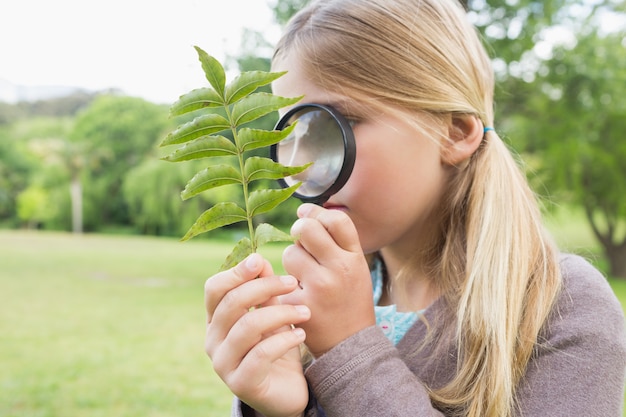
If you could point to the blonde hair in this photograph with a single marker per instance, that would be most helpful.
(493, 262)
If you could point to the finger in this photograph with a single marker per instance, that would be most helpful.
(251, 375)
(267, 271)
(216, 287)
(253, 328)
(336, 222)
(237, 302)
(316, 239)
(272, 349)
(297, 260)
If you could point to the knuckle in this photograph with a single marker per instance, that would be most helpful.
(259, 354)
(247, 322)
(239, 273)
(211, 345)
(231, 298)
(336, 218)
(208, 347)
(237, 385)
(211, 287)
(220, 367)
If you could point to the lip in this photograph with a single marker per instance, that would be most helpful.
(334, 206)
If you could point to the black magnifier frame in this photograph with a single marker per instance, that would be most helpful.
(349, 148)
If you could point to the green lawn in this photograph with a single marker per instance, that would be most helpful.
(109, 326)
(105, 326)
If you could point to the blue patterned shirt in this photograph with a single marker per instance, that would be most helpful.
(393, 323)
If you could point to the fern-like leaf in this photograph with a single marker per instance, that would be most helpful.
(257, 105)
(211, 177)
(219, 215)
(213, 70)
(248, 82)
(200, 138)
(196, 99)
(258, 168)
(262, 201)
(204, 125)
(242, 249)
(204, 147)
(266, 233)
(250, 139)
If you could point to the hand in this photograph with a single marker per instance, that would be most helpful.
(334, 277)
(250, 339)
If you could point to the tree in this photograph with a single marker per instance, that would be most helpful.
(33, 144)
(575, 123)
(15, 168)
(61, 153)
(152, 192)
(115, 133)
(33, 206)
(21, 152)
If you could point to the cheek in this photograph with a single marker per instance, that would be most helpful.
(368, 177)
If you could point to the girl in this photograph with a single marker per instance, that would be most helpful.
(474, 312)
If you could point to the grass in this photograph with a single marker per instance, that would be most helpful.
(114, 325)
(106, 326)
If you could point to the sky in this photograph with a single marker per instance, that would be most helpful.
(142, 47)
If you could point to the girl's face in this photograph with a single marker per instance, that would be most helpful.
(395, 188)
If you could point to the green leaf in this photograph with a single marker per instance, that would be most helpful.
(196, 99)
(204, 147)
(257, 105)
(211, 177)
(262, 201)
(242, 249)
(247, 82)
(204, 125)
(256, 138)
(266, 233)
(257, 168)
(213, 70)
(219, 215)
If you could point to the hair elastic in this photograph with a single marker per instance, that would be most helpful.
(487, 129)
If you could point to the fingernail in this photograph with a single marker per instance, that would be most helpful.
(252, 262)
(299, 332)
(303, 210)
(288, 280)
(295, 228)
(302, 310)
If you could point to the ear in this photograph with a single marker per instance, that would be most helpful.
(465, 134)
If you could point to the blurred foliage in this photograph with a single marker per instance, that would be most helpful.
(574, 125)
(56, 107)
(560, 104)
(152, 192)
(33, 206)
(117, 133)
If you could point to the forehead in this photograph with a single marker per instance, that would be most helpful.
(297, 82)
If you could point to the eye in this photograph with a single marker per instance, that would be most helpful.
(352, 121)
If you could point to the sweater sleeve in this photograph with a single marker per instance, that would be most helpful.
(579, 367)
(365, 376)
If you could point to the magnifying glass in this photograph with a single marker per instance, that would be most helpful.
(322, 136)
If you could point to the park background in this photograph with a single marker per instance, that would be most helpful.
(102, 310)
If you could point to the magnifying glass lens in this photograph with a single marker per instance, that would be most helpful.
(324, 137)
(317, 138)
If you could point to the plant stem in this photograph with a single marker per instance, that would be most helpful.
(244, 181)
